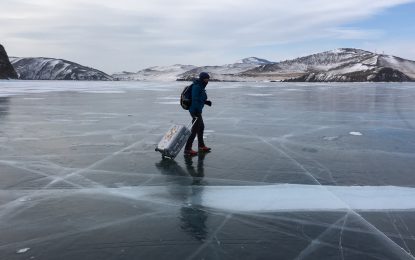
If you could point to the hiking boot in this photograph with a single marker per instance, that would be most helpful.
(205, 149)
(190, 152)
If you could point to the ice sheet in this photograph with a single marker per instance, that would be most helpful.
(286, 178)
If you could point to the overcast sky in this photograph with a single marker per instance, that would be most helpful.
(134, 34)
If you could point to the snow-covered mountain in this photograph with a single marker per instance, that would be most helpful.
(340, 65)
(189, 72)
(158, 73)
(6, 69)
(254, 61)
(54, 69)
(228, 72)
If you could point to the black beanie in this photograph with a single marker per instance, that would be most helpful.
(204, 75)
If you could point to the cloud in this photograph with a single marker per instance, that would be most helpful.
(159, 31)
(354, 33)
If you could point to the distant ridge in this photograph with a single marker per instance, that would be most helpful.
(339, 65)
(54, 69)
(160, 73)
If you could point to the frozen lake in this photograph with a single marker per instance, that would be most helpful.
(297, 171)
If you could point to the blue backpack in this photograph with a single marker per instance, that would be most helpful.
(186, 97)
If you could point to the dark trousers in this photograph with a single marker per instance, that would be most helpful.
(197, 129)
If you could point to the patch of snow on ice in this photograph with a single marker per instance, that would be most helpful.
(289, 197)
(172, 98)
(331, 138)
(269, 198)
(298, 197)
(22, 251)
(168, 103)
(258, 95)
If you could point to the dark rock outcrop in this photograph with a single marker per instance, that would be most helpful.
(6, 69)
(389, 75)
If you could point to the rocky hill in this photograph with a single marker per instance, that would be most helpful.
(228, 72)
(54, 69)
(6, 69)
(341, 65)
(189, 72)
(159, 73)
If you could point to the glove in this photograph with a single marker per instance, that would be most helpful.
(208, 102)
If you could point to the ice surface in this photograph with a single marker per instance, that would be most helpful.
(79, 177)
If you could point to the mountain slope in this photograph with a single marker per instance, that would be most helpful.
(340, 65)
(159, 73)
(226, 72)
(405, 66)
(6, 69)
(54, 69)
(189, 72)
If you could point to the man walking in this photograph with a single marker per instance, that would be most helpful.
(199, 99)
